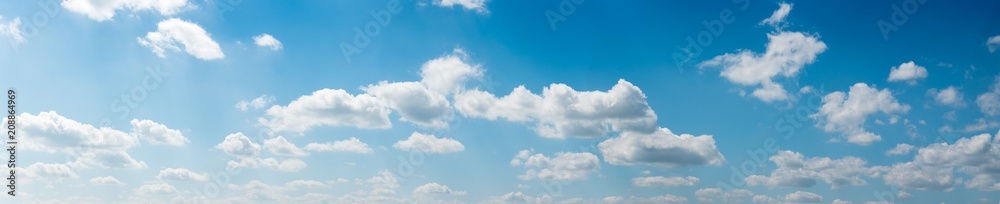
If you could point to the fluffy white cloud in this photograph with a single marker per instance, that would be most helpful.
(429, 144)
(328, 107)
(171, 32)
(280, 146)
(156, 188)
(287, 165)
(102, 10)
(268, 41)
(91, 146)
(933, 166)
(475, 5)
(909, 72)
(181, 174)
(157, 134)
(562, 167)
(12, 31)
(665, 181)
(803, 197)
(436, 188)
(778, 17)
(563, 112)
(786, 54)
(349, 145)
(900, 149)
(414, 101)
(447, 74)
(47, 171)
(661, 148)
(993, 43)
(256, 103)
(106, 180)
(949, 96)
(846, 113)
(911, 175)
(795, 171)
(239, 145)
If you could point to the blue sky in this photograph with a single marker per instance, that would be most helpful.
(483, 101)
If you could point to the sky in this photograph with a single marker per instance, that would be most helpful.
(487, 101)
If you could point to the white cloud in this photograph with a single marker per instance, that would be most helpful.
(900, 149)
(989, 102)
(414, 101)
(786, 54)
(911, 175)
(665, 181)
(716, 195)
(48, 171)
(475, 5)
(846, 113)
(171, 32)
(157, 134)
(563, 112)
(803, 197)
(435, 188)
(993, 43)
(349, 145)
(777, 18)
(280, 146)
(429, 144)
(156, 188)
(933, 166)
(661, 148)
(764, 199)
(446, 74)
(106, 180)
(909, 72)
(328, 107)
(181, 174)
(563, 166)
(796, 171)
(102, 10)
(268, 41)
(12, 31)
(950, 96)
(91, 146)
(256, 103)
(239, 145)
(287, 165)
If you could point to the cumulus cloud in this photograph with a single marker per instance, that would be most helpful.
(900, 149)
(448, 73)
(247, 155)
(950, 96)
(560, 111)
(268, 41)
(796, 171)
(157, 134)
(156, 189)
(661, 148)
(777, 18)
(717, 195)
(803, 197)
(287, 165)
(846, 113)
(933, 166)
(909, 72)
(429, 144)
(475, 5)
(786, 54)
(282, 147)
(989, 102)
(102, 10)
(239, 145)
(563, 166)
(415, 102)
(181, 174)
(436, 188)
(91, 146)
(173, 32)
(349, 145)
(106, 180)
(665, 181)
(328, 107)
(48, 171)
(256, 103)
